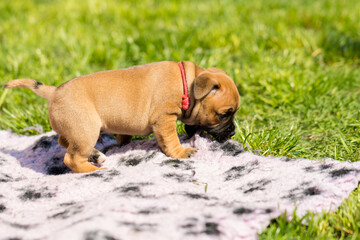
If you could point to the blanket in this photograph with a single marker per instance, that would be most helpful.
(221, 192)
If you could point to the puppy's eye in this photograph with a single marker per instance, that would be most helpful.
(222, 116)
(225, 115)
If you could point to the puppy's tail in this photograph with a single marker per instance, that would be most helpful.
(40, 89)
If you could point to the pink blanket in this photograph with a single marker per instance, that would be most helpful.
(221, 192)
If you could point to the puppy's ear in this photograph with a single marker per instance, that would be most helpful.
(204, 84)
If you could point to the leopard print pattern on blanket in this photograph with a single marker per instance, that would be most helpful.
(220, 192)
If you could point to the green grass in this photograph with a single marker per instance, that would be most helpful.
(296, 65)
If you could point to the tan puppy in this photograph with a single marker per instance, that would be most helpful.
(137, 101)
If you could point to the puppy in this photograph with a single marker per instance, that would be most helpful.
(138, 101)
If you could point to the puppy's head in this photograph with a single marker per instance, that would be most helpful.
(217, 100)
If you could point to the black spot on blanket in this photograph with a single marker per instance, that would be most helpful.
(255, 163)
(211, 228)
(311, 191)
(268, 210)
(340, 172)
(110, 174)
(22, 226)
(98, 235)
(133, 162)
(130, 189)
(309, 169)
(252, 189)
(179, 177)
(191, 226)
(66, 204)
(301, 192)
(173, 162)
(196, 196)
(68, 212)
(234, 173)
(139, 227)
(256, 186)
(105, 175)
(133, 190)
(287, 159)
(2, 208)
(188, 225)
(94, 175)
(152, 210)
(113, 172)
(176, 163)
(290, 196)
(5, 178)
(135, 159)
(31, 195)
(230, 148)
(46, 142)
(242, 210)
(326, 166)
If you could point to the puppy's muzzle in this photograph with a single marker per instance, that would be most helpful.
(220, 133)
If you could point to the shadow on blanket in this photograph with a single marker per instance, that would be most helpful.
(46, 155)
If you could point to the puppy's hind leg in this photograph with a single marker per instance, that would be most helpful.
(78, 163)
(96, 157)
(63, 142)
(123, 139)
(77, 158)
(80, 147)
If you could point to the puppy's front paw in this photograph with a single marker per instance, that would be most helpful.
(187, 152)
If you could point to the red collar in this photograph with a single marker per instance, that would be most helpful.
(185, 98)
